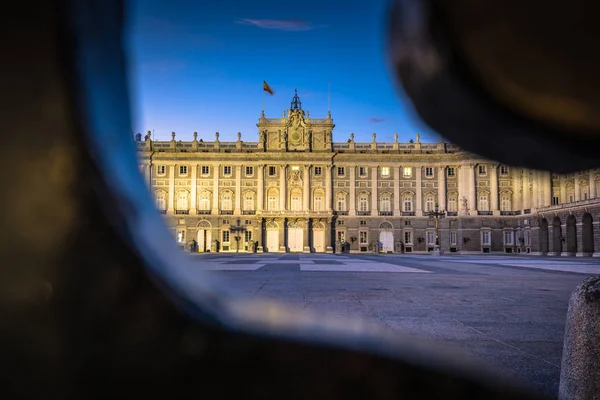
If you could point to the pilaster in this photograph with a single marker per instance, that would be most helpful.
(471, 184)
(194, 189)
(442, 188)
(328, 187)
(592, 184)
(352, 196)
(419, 190)
(215, 202)
(171, 203)
(238, 189)
(494, 189)
(397, 211)
(260, 196)
(374, 208)
(282, 187)
(306, 189)
(577, 188)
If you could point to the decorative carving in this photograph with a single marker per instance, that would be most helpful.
(465, 204)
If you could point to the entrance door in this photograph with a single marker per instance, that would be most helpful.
(387, 241)
(295, 236)
(272, 241)
(204, 240)
(319, 241)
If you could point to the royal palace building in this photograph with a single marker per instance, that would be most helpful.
(295, 190)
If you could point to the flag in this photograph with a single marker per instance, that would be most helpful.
(267, 88)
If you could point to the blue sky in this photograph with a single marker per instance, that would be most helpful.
(199, 67)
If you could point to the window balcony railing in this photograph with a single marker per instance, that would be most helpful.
(408, 213)
(342, 212)
(485, 213)
(362, 213)
(203, 212)
(162, 211)
(182, 212)
(527, 211)
(248, 212)
(452, 213)
(510, 212)
(226, 212)
(386, 213)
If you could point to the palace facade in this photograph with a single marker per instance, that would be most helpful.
(295, 190)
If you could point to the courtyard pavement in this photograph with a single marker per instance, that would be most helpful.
(506, 311)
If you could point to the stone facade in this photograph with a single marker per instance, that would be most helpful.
(295, 190)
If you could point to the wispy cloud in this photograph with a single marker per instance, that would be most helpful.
(375, 120)
(290, 25)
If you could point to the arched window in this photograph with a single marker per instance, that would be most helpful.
(363, 202)
(318, 202)
(204, 201)
(182, 200)
(272, 199)
(296, 200)
(249, 201)
(385, 202)
(505, 202)
(340, 202)
(226, 201)
(407, 202)
(484, 203)
(584, 192)
(429, 203)
(161, 202)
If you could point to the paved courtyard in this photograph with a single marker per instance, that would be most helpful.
(507, 311)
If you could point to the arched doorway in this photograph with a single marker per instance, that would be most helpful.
(571, 235)
(556, 236)
(272, 237)
(319, 237)
(386, 237)
(204, 236)
(544, 236)
(587, 233)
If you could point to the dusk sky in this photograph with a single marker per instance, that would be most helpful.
(199, 67)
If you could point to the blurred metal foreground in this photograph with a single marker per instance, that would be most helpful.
(514, 81)
(95, 300)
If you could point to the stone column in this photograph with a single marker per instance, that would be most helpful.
(282, 187)
(171, 204)
(238, 190)
(352, 195)
(592, 185)
(526, 192)
(215, 202)
(577, 188)
(194, 190)
(494, 189)
(282, 235)
(306, 190)
(328, 187)
(517, 190)
(260, 196)
(259, 233)
(396, 176)
(306, 239)
(328, 248)
(374, 207)
(563, 191)
(472, 189)
(419, 205)
(462, 189)
(442, 188)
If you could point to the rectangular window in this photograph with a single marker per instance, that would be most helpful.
(249, 171)
(451, 171)
(406, 223)
(318, 171)
(341, 203)
(225, 222)
(341, 222)
(272, 170)
(272, 203)
(429, 172)
(341, 236)
(503, 170)
(249, 202)
(485, 238)
(482, 170)
(225, 236)
(555, 200)
(183, 170)
(363, 237)
(408, 237)
(160, 170)
(385, 172)
(431, 238)
(181, 236)
(453, 238)
(508, 238)
(408, 204)
(205, 170)
(452, 204)
(248, 236)
(386, 204)
(362, 171)
(341, 171)
(526, 238)
(363, 203)
(363, 222)
(227, 170)
(407, 172)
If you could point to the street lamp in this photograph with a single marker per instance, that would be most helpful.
(237, 231)
(437, 214)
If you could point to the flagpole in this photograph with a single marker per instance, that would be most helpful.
(263, 99)
(328, 96)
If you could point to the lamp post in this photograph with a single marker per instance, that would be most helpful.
(237, 231)
(436, 214)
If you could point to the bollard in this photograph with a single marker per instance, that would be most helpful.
(580, 369)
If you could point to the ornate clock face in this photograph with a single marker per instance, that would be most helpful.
(296, 137)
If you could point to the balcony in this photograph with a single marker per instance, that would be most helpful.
(203, 212)
(162, 211)
(342, 212)
(510, 212)
(485, 213)
(248, 212)
(363, 213)
(226, 212)
(527, 211)
(408, 213)
(182, 212)
(557, 207)
(386, 213)
(452, 213)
